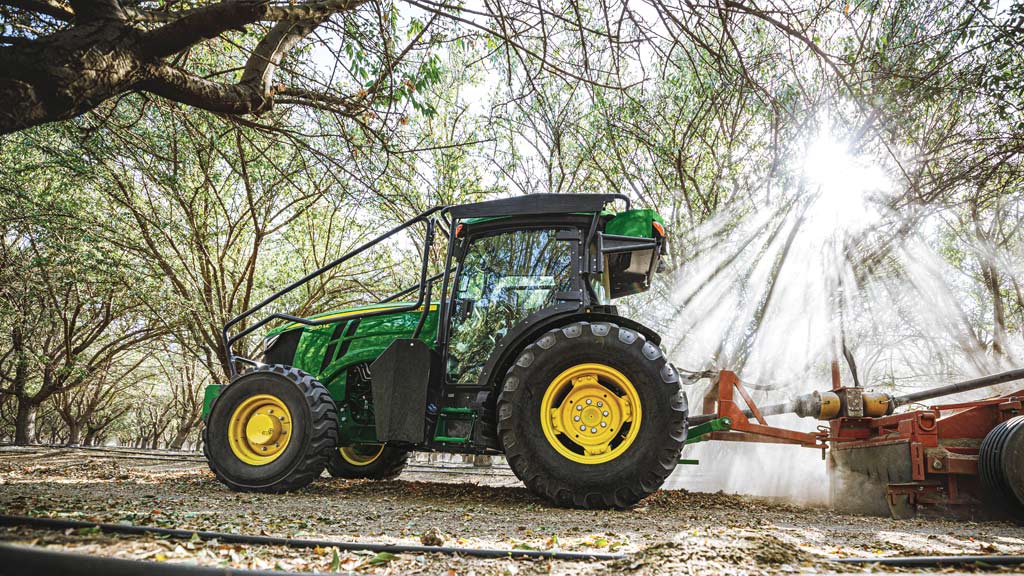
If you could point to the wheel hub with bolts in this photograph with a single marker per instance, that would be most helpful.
(260, 429)
(588, 411)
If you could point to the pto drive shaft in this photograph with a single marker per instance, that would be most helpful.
(858, 402)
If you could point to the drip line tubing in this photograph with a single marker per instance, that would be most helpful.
(72, 564)
(227, 537)
(16, 560)
(993, 560)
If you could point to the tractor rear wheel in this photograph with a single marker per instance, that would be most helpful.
(1001, 466)
(374, 461)
(592, 416)
(271, 430)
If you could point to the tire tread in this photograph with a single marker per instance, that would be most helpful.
(323, 436)
(531, 472)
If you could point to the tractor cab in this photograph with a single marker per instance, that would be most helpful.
(515, 342)
(514, 267)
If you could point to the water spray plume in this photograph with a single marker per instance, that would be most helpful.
(776, 293)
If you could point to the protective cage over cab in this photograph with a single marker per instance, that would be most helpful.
(514, 348)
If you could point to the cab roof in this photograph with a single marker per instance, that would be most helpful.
(536, 204)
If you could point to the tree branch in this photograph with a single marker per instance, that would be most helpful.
(259, 69)
(49, 7)
(178, 85)
(92, 10)
(210, 21)
(202, 24)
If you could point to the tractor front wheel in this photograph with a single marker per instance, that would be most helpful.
(373, 461)
(592, 416)
(271, 430)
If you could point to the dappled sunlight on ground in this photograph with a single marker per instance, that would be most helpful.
(671, 531)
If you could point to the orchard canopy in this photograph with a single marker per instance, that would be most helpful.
(839, 179)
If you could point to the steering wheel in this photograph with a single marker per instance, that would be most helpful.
(510, 312)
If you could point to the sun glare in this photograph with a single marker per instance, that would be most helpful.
(843, 187)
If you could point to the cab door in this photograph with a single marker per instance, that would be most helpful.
(503, 278)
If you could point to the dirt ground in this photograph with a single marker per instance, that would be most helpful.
(672, 532)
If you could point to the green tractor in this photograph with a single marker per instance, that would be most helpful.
(521, 354)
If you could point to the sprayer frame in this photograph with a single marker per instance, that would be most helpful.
(942, 441)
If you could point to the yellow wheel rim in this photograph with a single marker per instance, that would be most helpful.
(591, 413)
(260, 429)
(361, 454)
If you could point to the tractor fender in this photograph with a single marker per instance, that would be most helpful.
(540, 322)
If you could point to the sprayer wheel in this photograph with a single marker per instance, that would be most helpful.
(270, 430)
(615, 384)
(373, 461)
(1001, 466)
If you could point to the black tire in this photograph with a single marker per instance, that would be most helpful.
(643, 465)
(385, 466)
(1001, 466)
(314, 435)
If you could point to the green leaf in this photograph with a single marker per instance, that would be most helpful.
(381, 558)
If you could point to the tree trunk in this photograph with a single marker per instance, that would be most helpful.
(179, 439)
(993, 284)
(25, 422)
(74, 433)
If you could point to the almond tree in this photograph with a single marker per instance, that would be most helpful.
(187, 380)
(87, 411)
(62, 58)
(67, 308)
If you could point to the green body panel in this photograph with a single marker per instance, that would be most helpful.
(636, 223)
(211, 393)
(328, 351)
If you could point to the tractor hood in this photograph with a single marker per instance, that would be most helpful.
(343, 313)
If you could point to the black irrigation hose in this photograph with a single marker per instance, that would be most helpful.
(495, 471)
(49, 562)
(936, 560)
(31, 560)
(175, 456)
(167, 456)
(62, 524)
(132, 452)
(121, 457)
